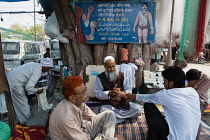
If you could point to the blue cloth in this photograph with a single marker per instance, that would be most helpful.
(13, 0)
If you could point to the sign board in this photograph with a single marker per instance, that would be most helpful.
(117, 22)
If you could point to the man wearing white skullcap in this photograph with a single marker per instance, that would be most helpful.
(22, 80)
(113, 80)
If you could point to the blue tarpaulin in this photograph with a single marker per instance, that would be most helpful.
(13, 0)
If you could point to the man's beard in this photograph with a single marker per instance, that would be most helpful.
(112, 76)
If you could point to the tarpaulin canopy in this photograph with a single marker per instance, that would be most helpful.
(13, 0)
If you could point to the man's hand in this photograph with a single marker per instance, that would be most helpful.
(40, 91)
(134, 30)
(90, 9)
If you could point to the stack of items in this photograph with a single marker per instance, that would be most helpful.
(154, 79)
(65, 70)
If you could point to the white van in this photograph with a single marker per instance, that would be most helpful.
(16, 53)
(32, 52)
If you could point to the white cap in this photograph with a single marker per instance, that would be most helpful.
(108, 58)
(46, 62)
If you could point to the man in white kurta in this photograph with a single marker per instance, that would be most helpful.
(180, 105)
(22, 80)
(102, 94)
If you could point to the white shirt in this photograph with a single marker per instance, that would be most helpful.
(182, 110)
(25, 76)
(103, 95)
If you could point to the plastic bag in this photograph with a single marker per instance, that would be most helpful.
(63, 39)
(51, 27)
(139, 62)
(42, 101)
(124, 55)
(3, 106)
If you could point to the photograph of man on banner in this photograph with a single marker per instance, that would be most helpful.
(142, 19)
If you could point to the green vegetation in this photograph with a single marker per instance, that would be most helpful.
(17, 31)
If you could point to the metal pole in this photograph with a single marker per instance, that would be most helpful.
(34, 22)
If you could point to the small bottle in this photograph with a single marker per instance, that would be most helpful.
(60, 63)
(69, 73)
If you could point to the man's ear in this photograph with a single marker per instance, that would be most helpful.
(72, 98)
(171, 84)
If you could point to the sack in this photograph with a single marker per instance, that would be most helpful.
(3, 106)
(139, 62)
(51, 27)
(63, 39)
(124, 55)
(42, 101)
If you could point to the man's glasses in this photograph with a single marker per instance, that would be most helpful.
(84, 91)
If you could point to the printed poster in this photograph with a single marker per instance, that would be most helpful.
(117, 22)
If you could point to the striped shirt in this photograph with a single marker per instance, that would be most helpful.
(202, 88)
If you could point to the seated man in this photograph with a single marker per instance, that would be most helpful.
(180, 105)
(201, 83)
(72, 119)
(113, 82)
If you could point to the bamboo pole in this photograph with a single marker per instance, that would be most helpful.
(169, 61)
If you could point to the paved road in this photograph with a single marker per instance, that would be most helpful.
(205, 68)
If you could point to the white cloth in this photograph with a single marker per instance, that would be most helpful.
(129, 72)
(142, 17)
(42, 101)
(108, 58)
(121, 114)
(3, 106)
(46, 62)
(20, 80)
(182, 110)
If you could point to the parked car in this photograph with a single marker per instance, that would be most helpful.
(32, 52)
(55, 49)
(16, 53)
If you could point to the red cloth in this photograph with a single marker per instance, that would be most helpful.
(22, 132)
(80, 35)
(201, 26)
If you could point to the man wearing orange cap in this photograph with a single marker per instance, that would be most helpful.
(23, 79)
(72, 119)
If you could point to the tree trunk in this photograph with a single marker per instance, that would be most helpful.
(69, 16)
(59, 15)
(139, 72)
(146, 56)
(139, 77)
(4, 88)
(69, 19)
(120, 46)
(99, 54)
(169, 61)
(71, 59)
(111, 50)
(86, 53)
